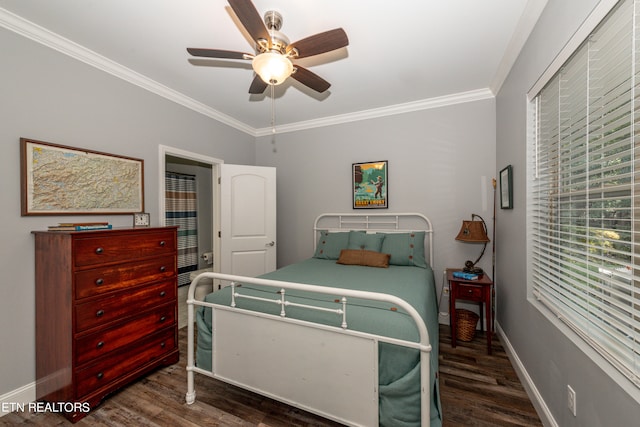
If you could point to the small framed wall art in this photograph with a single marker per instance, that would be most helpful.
(506, 188)
(370, 185)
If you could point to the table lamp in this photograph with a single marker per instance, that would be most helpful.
(474, 231)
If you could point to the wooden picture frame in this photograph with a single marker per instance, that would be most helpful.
(61, 180)
(506, 188)
(370, 185)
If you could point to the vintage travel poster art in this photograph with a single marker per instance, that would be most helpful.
(370, 185)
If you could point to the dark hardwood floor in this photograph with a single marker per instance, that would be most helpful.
(476, 390)
(481, 390)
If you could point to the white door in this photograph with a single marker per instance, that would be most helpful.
(247, 220)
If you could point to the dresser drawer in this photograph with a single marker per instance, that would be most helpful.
(469, 292)
(122, 247)
(100, 343)
(124, 362)
(123, 304)
(111, 278)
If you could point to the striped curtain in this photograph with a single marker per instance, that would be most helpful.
(181, 206)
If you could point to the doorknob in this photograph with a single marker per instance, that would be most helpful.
(271, 243)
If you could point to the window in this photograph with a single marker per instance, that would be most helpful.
(583, 201)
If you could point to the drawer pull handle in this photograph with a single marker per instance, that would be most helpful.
(162, 344)
(100, 344)
(100, 375)
(99, 313)
(163, 318)
(163, 269)
(163, 293)
(163, 243)
(470, 291)
(99, 282)
(99, 251)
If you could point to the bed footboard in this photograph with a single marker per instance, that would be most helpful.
(296, 361)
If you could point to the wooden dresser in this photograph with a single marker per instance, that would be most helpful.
(106, 311)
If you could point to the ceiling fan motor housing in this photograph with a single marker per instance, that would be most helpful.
(273, 20)
(279, 41)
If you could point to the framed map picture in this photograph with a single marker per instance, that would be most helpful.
(60, 180)
(369, 184)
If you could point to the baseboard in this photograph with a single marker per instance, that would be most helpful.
(536, 399)
(13, 400)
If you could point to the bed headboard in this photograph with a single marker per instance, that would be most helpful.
(376, 222)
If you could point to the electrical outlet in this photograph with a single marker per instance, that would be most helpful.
(571, 400)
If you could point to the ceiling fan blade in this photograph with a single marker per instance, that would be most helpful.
(257, 85)
(320, 43)
(310, 79)
(218, 53)
(250, 18)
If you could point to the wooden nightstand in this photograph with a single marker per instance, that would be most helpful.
(480, 291)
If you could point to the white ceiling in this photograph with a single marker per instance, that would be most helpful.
(402, 55)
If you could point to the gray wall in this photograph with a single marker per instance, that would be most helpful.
(48, 96)
(439, 162)
(550, 353)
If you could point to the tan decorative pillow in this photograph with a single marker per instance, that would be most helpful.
(363, 257)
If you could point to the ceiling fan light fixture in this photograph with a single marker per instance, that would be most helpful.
(273, 68)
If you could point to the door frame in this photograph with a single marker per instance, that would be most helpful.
(163, 151)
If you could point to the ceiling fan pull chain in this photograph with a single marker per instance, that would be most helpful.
(273, 119)
(273, 110)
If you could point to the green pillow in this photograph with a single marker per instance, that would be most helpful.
(330, 244)
(405, 248)
(362, 240)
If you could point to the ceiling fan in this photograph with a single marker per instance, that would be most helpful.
(272, 61)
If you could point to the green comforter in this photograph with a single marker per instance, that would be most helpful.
(399, 368)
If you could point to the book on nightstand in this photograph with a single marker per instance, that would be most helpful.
(465, 276)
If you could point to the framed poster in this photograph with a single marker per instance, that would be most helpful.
(60, 180)
(506, 188)
(369, 184)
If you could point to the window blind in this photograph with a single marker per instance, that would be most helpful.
(582, 193)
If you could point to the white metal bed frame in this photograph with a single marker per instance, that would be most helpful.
(308, 358)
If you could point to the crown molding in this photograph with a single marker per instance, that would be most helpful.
(425, 104)
(524, 27)
(67, 47)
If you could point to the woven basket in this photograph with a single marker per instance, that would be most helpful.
(466, 322)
